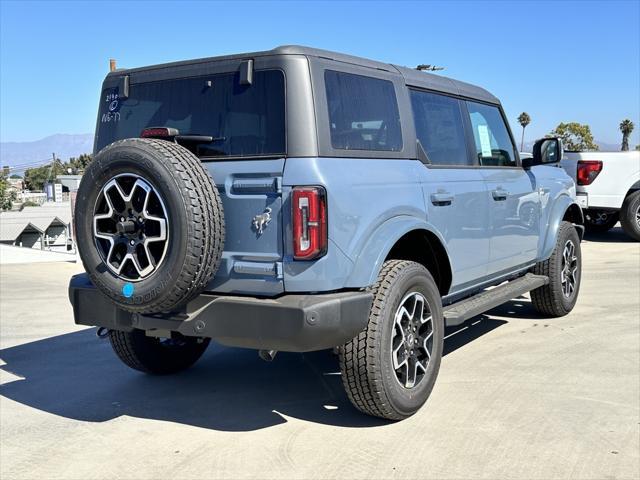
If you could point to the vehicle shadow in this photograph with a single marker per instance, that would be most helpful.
(615, 235)
(77, 376)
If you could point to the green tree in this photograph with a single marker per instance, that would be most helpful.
(35, 178)
(626, 127)
(575, 136)
(523, 119)
(637, 147)
(78, 165)
(7, 197)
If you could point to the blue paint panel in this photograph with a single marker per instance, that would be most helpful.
(362, 195)
(514, 204)
(464, 223)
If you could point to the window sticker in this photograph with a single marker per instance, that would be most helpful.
(485, 142)
(112, 101)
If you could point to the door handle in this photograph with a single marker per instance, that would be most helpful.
(499, 194)
(441, 199)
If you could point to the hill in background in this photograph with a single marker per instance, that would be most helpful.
(63, 145)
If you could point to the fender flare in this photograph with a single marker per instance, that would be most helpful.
(558, 211)
(369, 262)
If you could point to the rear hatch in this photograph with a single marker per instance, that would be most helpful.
(237, 129)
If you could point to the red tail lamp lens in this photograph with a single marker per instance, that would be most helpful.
(309, 223)
(159, 132)
(588, 170)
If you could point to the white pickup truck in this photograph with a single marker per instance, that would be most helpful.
(607, 188)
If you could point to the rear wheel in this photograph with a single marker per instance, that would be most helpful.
(159, 356)
(564, 269)
(630, 215)
(599, 221)
(390, 368)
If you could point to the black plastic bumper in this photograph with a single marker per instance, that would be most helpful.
(294, 323)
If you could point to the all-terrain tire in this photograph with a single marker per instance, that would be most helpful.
(156, 356)
(552, 299)
(195, 224)
(598, 221)
(368, 373)
(630, 215)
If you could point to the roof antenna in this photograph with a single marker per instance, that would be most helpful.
(429, 68)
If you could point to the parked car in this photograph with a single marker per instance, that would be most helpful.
(298, 200)
(608, 189)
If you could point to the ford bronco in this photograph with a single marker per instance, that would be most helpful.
(298, 200)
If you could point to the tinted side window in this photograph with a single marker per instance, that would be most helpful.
(493, 143)
(439, 128)
(363, 112)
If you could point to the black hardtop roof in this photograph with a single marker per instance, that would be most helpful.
(411, 76)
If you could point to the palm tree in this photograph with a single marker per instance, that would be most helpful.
(523, 119)
(626, 127)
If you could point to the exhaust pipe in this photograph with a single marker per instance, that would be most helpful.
(267, 355)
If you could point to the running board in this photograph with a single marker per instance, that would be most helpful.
(459, 312)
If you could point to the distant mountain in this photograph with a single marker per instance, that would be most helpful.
(63, 145)
(608, 147)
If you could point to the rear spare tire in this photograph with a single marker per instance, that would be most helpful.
(149, 224)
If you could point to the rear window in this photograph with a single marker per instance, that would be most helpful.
(440, 128)
(363, 112)
(244, 120)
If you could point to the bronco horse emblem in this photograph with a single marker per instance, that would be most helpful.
(261, 221)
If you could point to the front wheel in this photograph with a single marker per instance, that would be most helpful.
(159, 356)
(390, 368)
(564, 269)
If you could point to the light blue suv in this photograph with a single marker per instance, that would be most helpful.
(297, 200)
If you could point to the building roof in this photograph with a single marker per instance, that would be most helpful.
(12, 228)
(411, 76)
(12, 224)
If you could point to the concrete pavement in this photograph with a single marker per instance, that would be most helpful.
(518, 396)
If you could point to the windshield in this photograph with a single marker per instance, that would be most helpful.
(242, 120)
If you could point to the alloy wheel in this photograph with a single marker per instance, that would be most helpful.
(568, 274)
(412, 340)
(130, 227)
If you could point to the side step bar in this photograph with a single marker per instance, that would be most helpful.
(459, 312)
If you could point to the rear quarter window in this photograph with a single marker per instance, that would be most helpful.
(363, 112)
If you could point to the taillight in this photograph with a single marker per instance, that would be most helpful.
(309, 223)
(588, 170)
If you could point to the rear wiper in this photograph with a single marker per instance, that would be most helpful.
(199, 139)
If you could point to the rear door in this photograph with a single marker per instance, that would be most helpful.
(237, 129)
(251, 192)
(454, 190)
(514, 201)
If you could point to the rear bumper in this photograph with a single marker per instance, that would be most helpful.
(295, 323)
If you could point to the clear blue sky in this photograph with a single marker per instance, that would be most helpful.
(559, 61)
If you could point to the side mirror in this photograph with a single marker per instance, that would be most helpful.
(545, 151)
